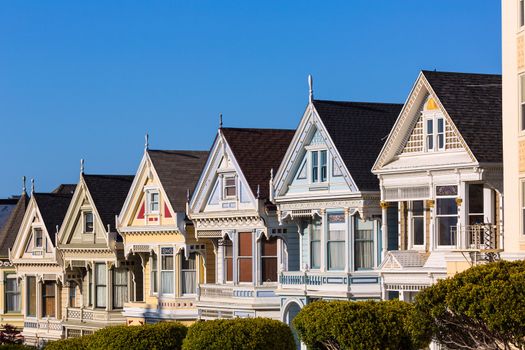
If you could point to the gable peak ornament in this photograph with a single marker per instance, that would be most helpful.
(23, 184)
(82, 166)
(220, 120)
(310, 88)
(146, 142)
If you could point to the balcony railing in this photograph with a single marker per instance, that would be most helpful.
(308, 279)
(88, 315)
(49, 325)
(481, 237)
(240, 292)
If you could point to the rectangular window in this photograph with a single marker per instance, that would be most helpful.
(228, 259)
(447, 220)
(269, 259)
(38, 237)
(323, 162)
(417, 222)
(167, 270)
(521, 13)
(100, 285)
(154, 273)
(522, 101)
(441, 133)
(522, 205)
(88, 222)
(336, 241)
(120, 287)
(364, 244)
(245, 257)
(48, 299)
(315, 166)
(315, 244)
(475, 204)
(230, 188)
(12, 293)
(72, 295)
(31, 296)
(90, 291)
(189, 274)
(153, 205)
(430, 134)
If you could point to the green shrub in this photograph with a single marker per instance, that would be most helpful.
(16, 347)
(362, 325)
(239, 334)
(480, 308)
(159, 336)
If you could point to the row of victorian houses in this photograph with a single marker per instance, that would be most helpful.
(361, 201)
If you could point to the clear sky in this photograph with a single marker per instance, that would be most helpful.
(88, 79)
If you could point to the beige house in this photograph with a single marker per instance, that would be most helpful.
(513, 59)
(161, 240)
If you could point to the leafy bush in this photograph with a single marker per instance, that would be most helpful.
(480, 308)
(358, 325)
(10, 335)
(159, 336)
(16, 347)
(240, 333)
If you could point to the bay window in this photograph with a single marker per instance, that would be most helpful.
(416, 214)
(244, 262)
(100, 285)
(189, 274)
(12, 293)
(315, 244)
(336, 241)
(167, 270)
(364, 244)
(120, 287)
(31, 296)
(446, 215)
(269, 259)
(48, 299)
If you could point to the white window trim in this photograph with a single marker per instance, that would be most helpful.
(149, 193)
(521, 16)
(152, 284)
(84, 212)
(309, 164)
(160, 270)
(236, 180)
(434, 116)
(521, 87)
(410, 225)
(34, 230)
(436, 216)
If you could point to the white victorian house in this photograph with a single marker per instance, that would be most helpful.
(325, 188)
(441, 177)
(230, 209)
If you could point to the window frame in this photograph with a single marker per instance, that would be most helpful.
(36, 231)
(154, 273)
(84, 222)
(264, 257)
(249, 257)
(16, 293)
(102, 286)
(227, 246)
(149, 202)
(437, 216)
(45, 297)
(225, 186)
(118, 287)
(371, 240)
(28, 298)
(342, 241)
(411, 225)
(72, 294)
(314, 224)
(191, 256)
(433, 118)
(164, 271)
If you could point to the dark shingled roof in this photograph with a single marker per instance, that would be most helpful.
(109, 193)
(6, 207)
(358, 130)
(258, 151)
(473, 101)
(65, 189)
(179, 172)
(53, 207)
(9, 231)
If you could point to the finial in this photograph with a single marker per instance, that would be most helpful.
(23, 184)
(82, 166)
(187, 195)
(32, 186)
(258, 191)
(311, 88)
(220, 121)
(271, 174)
(146, 142)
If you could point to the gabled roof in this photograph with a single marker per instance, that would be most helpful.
(53, 207)
(473, 101)
(358, 131)
(10, 229)
(178, 172)
(257, 151)
(65, 189)
(108, 193)
(6, 208)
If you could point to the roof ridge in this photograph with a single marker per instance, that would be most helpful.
(460, 73)
(257, 129)
(361, 102)
(177, 150)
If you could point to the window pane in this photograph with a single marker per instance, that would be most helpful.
(48, 299)
(269, 269)
(72, 294)
(167, 262)
(522, 13)
(315, 254)
(336, 255)
(269, 247)
(441, 141)
(31, 296)
(88, 222)
(417, 208)
(38, 238)
(229, 269)
(419, 230)
(12, 294)
(323, 166)
(100, 285)
(100, 273)
(120, 287)
(447, 206)
(475, 198)
(430, 126)
(315, 167)
(154, 278)
(189, 274)
(364, 245)
(447, 230)
(245, 269)
(441, 125)
(245, 244)
(167, 282)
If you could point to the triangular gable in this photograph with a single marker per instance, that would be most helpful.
(24, 247)
(293, 168)
(134, 212)
(209, 193)
(407, 135)
(390, 262)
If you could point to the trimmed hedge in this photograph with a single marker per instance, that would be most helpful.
(240, 334)
(16, 347)
(159, 336)
(358, 325)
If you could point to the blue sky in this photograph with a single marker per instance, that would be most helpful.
(89, 79)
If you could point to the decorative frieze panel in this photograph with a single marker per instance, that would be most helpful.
(215, 224)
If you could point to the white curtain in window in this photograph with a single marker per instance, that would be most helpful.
(12, 294)
(120, 288)
(100, 280)
(189, 282)
(364, 245)
(167, 282)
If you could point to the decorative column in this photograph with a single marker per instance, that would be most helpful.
(384, 228)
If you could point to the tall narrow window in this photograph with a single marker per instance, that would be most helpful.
(417, 222)
(153, 206)
(315, 244)
(522, 101)
(154, 273)
(336, 241)
(189, 274)
(167, 270)
(323, 162)
(315, 166)
(90, 291)
(88, 222)
(100, 285)
(12, 293)
(475, 204)
(430, 134)
(441, 133)
(245, 257)
(48, 299)
(230, 188)
(31, 296)
(38, 237)
(72, 294)
(228, 259)
(364, 244)
(446, 215)
(522, 205)
(120, 287)
(521, 13)
(269, 259)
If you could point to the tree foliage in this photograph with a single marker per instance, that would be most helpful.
(480, 308)
(358, 325)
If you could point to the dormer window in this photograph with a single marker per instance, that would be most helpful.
(153, 202)
(38, 237)
(435, 133)
(88, 222)
(230, 187)
(319, 166)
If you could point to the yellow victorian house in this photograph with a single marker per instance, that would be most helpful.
(158, 236)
